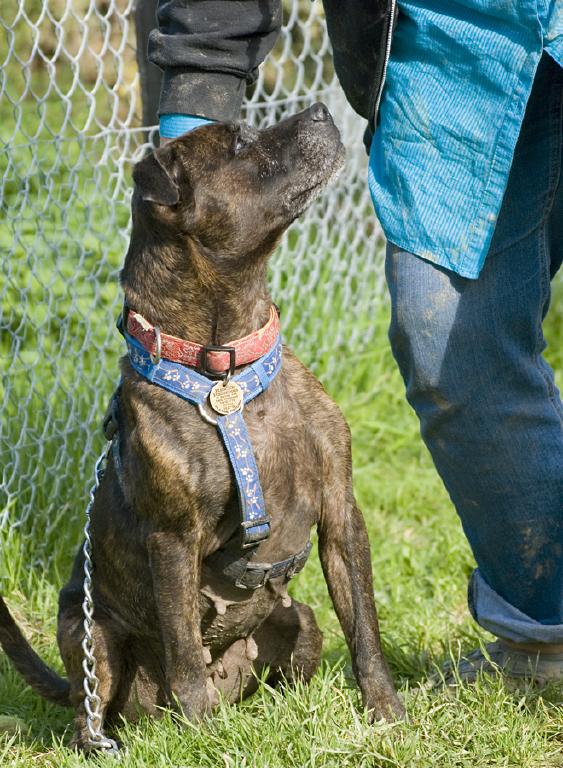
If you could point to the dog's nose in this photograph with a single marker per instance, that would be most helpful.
(319, 113)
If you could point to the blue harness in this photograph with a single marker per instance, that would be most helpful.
(192, 386)
(195, 388)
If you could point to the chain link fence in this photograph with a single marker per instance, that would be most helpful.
(72, 121)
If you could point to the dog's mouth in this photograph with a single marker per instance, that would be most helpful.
(318, 180)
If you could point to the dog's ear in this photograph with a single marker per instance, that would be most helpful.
(152, 177)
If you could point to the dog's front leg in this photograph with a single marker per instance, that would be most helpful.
(175, 567)
(346, 561)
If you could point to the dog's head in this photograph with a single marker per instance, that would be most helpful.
(233, 189)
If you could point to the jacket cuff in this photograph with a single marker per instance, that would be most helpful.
(173, 125)
(214, 95)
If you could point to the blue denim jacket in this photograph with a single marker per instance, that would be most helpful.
(458, 82)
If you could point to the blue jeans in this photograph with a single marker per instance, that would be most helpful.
(470, 352)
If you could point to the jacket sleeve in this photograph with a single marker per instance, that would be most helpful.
(209, 50)
(359, 32)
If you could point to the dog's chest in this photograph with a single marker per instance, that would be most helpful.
(289, 470)
(289, 465)
(229, 614)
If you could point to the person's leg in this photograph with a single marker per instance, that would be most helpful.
(470, 354)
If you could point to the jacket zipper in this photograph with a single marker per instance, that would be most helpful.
(390, 25)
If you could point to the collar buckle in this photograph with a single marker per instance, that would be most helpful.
(255, 576)
(203, 364)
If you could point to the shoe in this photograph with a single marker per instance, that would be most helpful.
(510, 660)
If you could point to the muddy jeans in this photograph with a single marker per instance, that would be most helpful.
(470, 352)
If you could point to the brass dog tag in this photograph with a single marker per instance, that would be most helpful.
(226, 398)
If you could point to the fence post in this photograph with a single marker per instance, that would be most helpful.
(150, 75)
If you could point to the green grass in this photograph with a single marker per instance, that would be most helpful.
(64, 256)
(421, 564)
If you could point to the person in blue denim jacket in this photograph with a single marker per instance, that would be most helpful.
(464, 102)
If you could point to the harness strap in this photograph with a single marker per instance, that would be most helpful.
(255, 520)
(110, 427)
(195, 388)
(241, 571)
(249, 575)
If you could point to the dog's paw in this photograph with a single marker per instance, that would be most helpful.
(194, 705)
(81, 743)
(384, 706)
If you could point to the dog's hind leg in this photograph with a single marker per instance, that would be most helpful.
(288, 644)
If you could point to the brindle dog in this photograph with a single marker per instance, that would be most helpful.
(208, 210)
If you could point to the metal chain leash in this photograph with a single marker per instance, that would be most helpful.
(92, 701)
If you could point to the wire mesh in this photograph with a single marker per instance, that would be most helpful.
(70, 127)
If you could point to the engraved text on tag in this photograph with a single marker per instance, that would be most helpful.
(226, 398)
